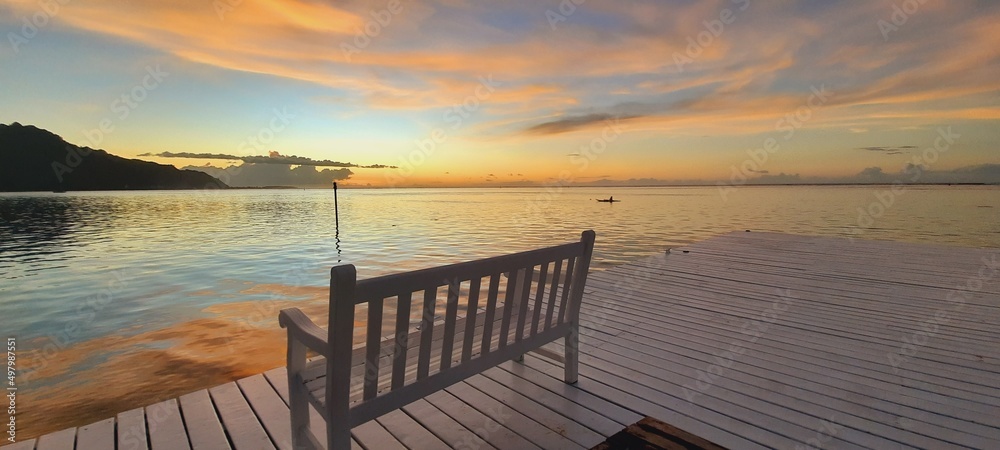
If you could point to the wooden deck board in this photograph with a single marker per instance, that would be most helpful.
(245, 430)
(166, 427)
(204, 427)
(60, 440)
(655, 329)
(132, 430)
(97, 436)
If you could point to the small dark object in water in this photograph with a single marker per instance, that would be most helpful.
(686, 251)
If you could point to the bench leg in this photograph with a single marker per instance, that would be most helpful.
(298, 404)
(572, 355)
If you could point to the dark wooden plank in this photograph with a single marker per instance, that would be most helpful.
(244, 429)
(401, 338)
(165, 425)
(472, 309)
(204, 427)
(373, 347)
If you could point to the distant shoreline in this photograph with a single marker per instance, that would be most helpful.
(524, 187)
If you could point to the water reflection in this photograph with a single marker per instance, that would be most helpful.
(174, 272)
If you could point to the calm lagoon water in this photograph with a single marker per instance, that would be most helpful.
(81, 270)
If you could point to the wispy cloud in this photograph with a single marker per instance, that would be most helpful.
(889, 150)
(272, 158)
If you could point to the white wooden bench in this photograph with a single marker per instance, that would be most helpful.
(349, 386)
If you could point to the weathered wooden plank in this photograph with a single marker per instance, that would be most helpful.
(60, 440)
(373, 435)
(373, 347)
(508, 306)
(832, 354)
(426, 333)
(577, 410)
(96, 436)
(523, 425)
(556, 273)
(865, 416)
(447, 429)
(539, 299)
(402, 339)
(203, 425)
(485, 427)
(450, 316)
(132, 430)
(269, 409)
(21, 445)
(563, 303)
(491, 306)
(472, 310)
(561, 422)
(409, 432)
(244, 428)
(165, 425)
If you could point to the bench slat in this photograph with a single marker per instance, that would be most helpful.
(539, 298)
(373, 347)
(426, 333)
(451, 312)
(552, 294)
(402, 340)
(525, 295)
(565, 294)
(472, 307)
(420, 280)
(491, 308)
(508, 310)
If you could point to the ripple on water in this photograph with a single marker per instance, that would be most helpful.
(161, 268)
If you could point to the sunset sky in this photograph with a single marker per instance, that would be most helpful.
(518, 92)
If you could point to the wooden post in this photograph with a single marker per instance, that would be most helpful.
(336, 210)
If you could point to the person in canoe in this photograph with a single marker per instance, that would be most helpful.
(608, 200)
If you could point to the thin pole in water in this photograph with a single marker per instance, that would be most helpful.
(336, 211)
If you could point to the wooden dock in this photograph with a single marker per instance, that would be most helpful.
(750, 340)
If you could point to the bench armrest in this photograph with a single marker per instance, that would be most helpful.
(301, 328)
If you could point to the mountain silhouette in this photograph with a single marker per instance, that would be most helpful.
(33, 159)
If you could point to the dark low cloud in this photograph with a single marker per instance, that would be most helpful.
(271, 158)
(570, 123)
(254, 175)
(889, 150)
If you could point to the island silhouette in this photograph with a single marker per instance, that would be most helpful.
(34, 159)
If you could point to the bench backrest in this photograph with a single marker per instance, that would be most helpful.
(541, 289)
